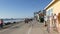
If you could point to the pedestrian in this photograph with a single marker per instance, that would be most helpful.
(26, 20)
(45, 20)
(1, 23)
(55, 20)
(59, 23)
(48, 24)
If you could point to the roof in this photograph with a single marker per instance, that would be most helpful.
(50, 4)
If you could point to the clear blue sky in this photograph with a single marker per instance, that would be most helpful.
(21, 8)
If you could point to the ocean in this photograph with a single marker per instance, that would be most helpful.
(12, 20)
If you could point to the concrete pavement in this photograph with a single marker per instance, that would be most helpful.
(33, 27)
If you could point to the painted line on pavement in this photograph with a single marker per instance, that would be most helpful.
(29, 31)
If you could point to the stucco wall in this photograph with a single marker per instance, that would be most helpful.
(55, 7)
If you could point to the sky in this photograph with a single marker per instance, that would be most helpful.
(21, 8)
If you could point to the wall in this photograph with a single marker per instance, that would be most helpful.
(55, 7)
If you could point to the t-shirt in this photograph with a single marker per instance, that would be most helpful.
(59, 18)
(45, 18)
(0, 21)
(55, 17)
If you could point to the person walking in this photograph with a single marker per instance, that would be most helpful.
(45, 20)
(1, 23)
(59, 23)
(55, 20)
(26, 20)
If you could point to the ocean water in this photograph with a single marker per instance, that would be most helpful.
(11, 20)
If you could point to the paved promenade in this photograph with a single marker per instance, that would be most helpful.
(33, 27)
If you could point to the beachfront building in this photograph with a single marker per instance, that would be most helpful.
(40, 14)
(53, 8)
(36, 16)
